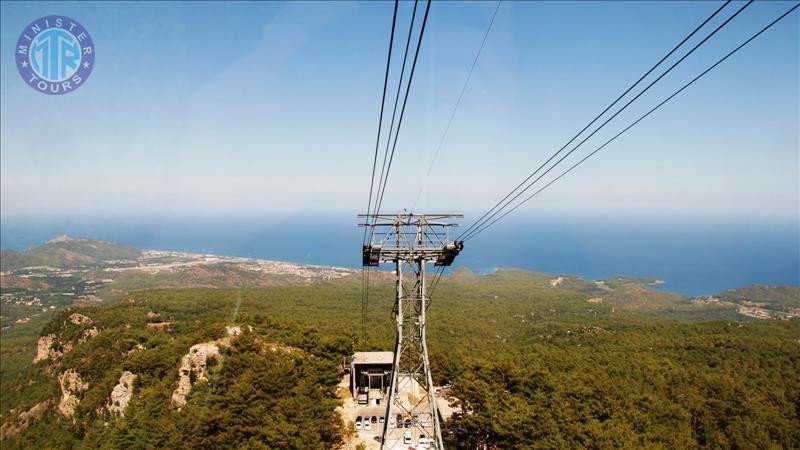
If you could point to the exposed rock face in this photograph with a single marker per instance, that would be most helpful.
(71, 386)
(87, 334)
(79, 319)
(24, 420)
(44, 350)
(121, 394)
(193, 368)
(153, 315)
(193, 364)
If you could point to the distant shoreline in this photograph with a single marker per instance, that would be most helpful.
(693, 259)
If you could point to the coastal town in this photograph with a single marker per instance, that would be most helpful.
(28, 292)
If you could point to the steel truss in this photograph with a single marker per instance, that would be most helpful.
(410, 241)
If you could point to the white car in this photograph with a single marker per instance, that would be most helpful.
(407, 437)
(367, 426)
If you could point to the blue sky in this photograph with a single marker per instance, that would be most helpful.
(272, 107)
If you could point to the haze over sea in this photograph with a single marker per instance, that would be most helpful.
(693, 256)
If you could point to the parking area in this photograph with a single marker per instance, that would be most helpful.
(351, 410)
(414, 430)
(371, 420)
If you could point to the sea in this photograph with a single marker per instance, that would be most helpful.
(693, 256)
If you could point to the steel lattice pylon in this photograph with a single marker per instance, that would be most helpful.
(410, 241)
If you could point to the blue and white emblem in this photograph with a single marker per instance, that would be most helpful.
(55, 55)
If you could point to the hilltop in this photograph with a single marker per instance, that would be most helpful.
(67, 252)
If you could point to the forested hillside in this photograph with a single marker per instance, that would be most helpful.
(271, 382)
(532, 366)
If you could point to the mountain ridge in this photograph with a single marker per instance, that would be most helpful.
(67, 252)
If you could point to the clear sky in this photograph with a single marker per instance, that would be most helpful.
(273, 107)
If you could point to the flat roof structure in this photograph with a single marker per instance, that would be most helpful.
(370, 376)
(373, 358)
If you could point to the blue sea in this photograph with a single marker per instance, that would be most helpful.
(693, 256)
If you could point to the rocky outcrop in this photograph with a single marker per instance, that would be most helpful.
(79, 319)
(44, 348)
(193, 368)
(24, 420)
(152, 315)
(121, 394)
(49, 347)
(88, 334)
(71, 387)
(193, 364)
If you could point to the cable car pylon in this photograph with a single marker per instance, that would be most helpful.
(410, 242)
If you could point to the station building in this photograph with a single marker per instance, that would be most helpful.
(371, 376)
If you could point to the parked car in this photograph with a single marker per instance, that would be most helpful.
(381, 419)
(407, 423)
(399, 420)
(407, 438)
(424, 442)
(392, 422)
(358, 423)
(367, 427)
(374, 419)
(423, 422)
